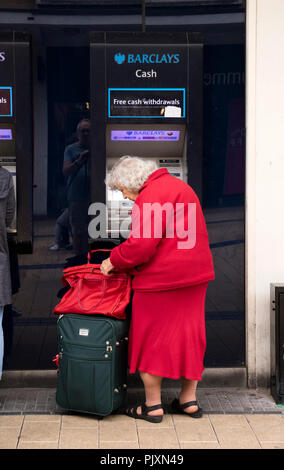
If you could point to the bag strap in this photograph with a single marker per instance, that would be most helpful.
(94, 251)
(120, 297)
(73, 269)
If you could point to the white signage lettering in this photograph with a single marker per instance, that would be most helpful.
(146, 74)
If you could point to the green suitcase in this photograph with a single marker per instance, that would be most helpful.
(92, 374)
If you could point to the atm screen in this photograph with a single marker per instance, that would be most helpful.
(8, 157)
(145, 135)
(7, 142)
(6, 134)
(115, 195)
(145, 140)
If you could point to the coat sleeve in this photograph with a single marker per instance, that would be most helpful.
(142, 242)
(11, 203)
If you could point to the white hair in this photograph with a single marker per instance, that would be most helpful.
(130, 173)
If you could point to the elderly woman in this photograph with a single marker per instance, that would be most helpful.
(168, 254)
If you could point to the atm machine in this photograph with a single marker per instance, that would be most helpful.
(16, 130)
(146, 101)
(165, 144)
(8, 158)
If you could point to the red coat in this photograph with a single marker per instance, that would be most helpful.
(163, 260)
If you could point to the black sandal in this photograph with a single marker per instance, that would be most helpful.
(132, 412)
(178, 408)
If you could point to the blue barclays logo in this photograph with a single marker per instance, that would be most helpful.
(147, 58)
(119, 58)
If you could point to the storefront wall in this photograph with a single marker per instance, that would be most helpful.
(223, 93)
(264, 178)
(264, 227)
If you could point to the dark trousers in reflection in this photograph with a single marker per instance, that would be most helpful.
(8, 315)
(62, 229)
(8, 332)
(78, 213)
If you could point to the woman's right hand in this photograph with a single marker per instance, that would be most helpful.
(107, 267)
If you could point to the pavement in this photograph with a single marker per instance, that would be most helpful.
(234, 418)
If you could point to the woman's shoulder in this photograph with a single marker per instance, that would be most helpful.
(167, 187)
(6, 182)
(5, 175)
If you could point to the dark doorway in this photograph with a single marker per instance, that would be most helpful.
(223, 202)
(68, 103)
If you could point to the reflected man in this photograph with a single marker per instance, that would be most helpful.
(75, 168)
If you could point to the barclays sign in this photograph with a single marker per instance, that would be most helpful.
(153, 63)
(146, 58)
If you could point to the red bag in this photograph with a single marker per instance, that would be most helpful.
(94, 293)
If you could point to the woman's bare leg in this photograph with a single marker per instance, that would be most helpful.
(188, 393)
(152, 385)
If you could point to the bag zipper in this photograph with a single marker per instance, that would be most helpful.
(76, 343)
(87, 345)
(80, 358)
(101, 280)
(95, 318)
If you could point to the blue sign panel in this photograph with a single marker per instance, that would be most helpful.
(6, 105)
(146, 103)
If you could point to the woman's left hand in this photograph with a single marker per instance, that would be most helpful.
(107, 267)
